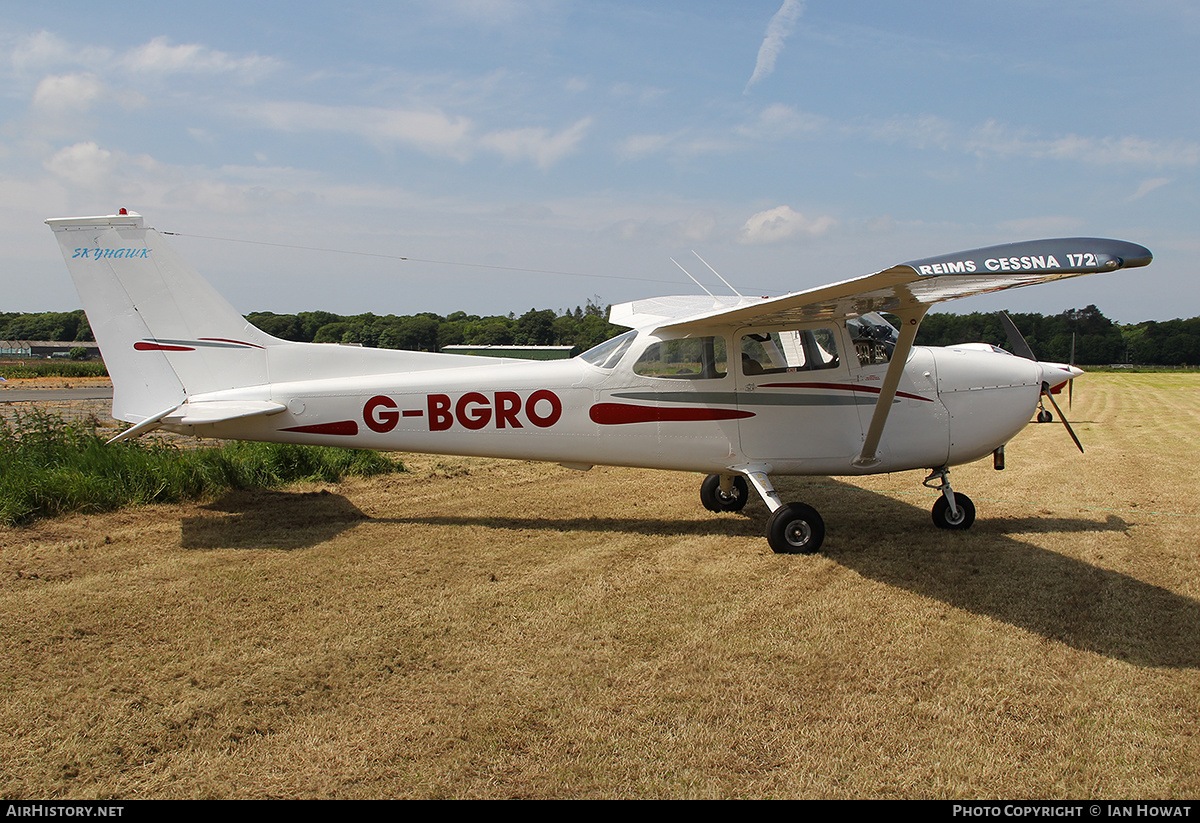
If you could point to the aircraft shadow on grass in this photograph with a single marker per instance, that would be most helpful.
(997, 572)
(987, 571)
(262, 519)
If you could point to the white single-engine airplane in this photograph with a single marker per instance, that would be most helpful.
(739, 389)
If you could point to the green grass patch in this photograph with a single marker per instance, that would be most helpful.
(13, 369)
(1141, 369)
(53, 466)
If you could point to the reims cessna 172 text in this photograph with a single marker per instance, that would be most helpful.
(738, 389)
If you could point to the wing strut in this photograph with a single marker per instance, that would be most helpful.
(911, 321)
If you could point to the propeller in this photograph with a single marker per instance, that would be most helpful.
(1071, 382)
(1021, 348)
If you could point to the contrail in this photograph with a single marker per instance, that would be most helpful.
(777, 31)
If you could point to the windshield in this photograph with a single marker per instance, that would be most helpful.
(608, 353)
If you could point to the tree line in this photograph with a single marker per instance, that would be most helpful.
(1096, 339)
(582, 328)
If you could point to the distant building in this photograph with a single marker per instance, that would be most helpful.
(519, 352)
(47, 348)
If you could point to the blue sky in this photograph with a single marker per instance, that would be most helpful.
(790, 144)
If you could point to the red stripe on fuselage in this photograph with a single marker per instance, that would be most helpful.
(343, 427)
(615, 414)
(142, 345)
(227, 340)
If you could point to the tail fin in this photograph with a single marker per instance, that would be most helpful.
(164, 332)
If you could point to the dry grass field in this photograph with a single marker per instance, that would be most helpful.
(477, 628)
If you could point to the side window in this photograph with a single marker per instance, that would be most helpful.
(874, 339)
(693, 358)
(788, 351)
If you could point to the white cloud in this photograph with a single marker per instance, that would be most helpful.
(782, 223)
(85, 171)
(429, 131)
(536, 144)
(159, 56)
(778, 29)
(1148, 186)
(68, 92)
(84, 165)
(698, 226)
(780, 120)
(921, 131)
(44, 50)
(995, 138)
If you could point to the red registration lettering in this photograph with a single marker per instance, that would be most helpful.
(473, 418)
(508, 403)
(380, 414)
(472, 410)
(440, 418)
(551, 417)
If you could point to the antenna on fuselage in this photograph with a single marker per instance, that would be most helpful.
(718, 274)
(694, 280)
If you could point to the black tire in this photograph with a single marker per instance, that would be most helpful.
(966, 512)
(795, 528)
(717, 501)
(1045, 417)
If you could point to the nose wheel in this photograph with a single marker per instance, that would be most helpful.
(952, 510)
(943, 518)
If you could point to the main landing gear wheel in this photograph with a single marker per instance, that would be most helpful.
(795, 528)
(716, 500)
(943, 519)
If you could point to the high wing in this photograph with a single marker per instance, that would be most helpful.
(900, 289)
(906, 290)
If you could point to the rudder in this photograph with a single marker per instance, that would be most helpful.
(164, 332)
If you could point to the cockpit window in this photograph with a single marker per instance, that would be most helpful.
(788, 351)
(608, 354)
(874, 338)
(692, 358)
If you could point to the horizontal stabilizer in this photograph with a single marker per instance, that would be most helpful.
(197, 414)
(218, 411)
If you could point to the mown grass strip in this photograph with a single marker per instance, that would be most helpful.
(14, 369)
(50, 466)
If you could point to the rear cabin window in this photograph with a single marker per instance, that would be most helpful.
(694, 358)
(788, 351)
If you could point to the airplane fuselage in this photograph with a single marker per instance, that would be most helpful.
(953, 406)
(738, 388)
